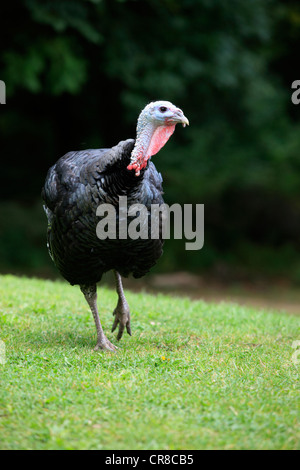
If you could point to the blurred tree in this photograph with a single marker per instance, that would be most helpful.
(77, 74)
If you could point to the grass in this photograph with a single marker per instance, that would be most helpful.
(194, 375)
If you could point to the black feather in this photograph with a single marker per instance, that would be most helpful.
(75, 186)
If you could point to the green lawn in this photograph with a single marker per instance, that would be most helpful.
(194, 375)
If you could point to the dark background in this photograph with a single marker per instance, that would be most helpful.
(78, 73)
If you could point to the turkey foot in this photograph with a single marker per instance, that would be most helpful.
(121, 312)
(105, 345)
(122, 318)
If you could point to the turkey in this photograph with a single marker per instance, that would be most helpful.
(79, 183)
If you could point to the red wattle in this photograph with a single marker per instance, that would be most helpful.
(160, 136)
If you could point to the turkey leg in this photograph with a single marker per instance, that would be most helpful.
(121, 312)
(90, 294)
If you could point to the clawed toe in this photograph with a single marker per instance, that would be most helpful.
(122, 318)
(105, 345)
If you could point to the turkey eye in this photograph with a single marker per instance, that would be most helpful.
(163, 109)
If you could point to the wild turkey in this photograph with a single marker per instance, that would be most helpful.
(83, 180)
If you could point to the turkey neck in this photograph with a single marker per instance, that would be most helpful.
(151, 137)
(128, 181)
(145, 131)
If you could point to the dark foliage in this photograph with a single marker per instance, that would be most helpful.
(78, 73)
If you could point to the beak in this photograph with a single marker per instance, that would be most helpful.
(185, 121)
(180, 117)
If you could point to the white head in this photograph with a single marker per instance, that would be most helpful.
(155, 125)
